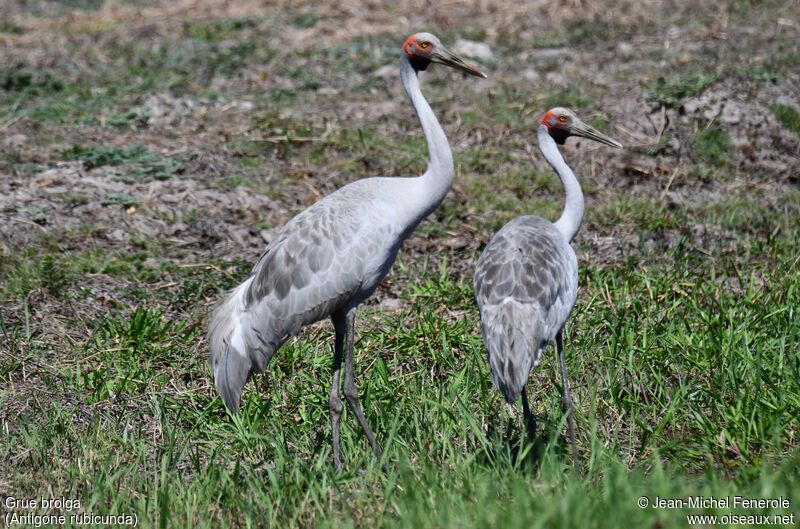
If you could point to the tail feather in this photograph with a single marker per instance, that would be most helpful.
(513, 343)
(229, 355)
(231, 376)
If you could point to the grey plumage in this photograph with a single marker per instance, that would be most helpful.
(331, 257)
(525, 286)
(526, 280)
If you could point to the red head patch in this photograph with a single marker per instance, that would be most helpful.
(414, 47)
(549, 119)
(407, 46)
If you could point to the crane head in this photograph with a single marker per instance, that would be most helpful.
(562, 123)
(422, 49)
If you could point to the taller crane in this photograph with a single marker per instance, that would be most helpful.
(332, 256)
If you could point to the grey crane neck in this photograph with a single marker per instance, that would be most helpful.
(439, 175)
(570, 221)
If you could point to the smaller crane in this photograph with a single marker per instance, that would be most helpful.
(526, 280)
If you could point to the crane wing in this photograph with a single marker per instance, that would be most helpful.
(323, 256)
(335, 253)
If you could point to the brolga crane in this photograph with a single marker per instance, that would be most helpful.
(526, 280)
(332, 256)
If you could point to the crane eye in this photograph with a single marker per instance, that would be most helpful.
(562, 119)
(424, 45)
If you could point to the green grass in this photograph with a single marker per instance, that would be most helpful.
(20, 79)
(671, 92)
(788, 116)
(147, 164)
(220, 29)
(572, 98)
(11, 28)
(305, 20)
(712, 146)
(53, 270)
(87, 5)
(187, 63)
(687, 379)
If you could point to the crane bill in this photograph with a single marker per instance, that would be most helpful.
(444, 56)
(582, 129)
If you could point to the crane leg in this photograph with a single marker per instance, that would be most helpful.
(350, 391)
(335, 404)
(530, 420)
(566, 396)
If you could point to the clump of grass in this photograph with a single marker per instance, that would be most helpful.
(671, 93)
(75, 199)
(788, 116)
(236, 180)
(37, 214)
(55, 270)
(159, 168)
(762, 75)
(305, 21)
(149, 166)
(19, 79)
(221, 29)
(10, 27)
(570, 98)
(54, 277)
(118, 199)
(85, 5)
(712, 146)
(141, 340)
(598, 31)
(101, 155)
(135, 116)
(12, 161)
(658, 147)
